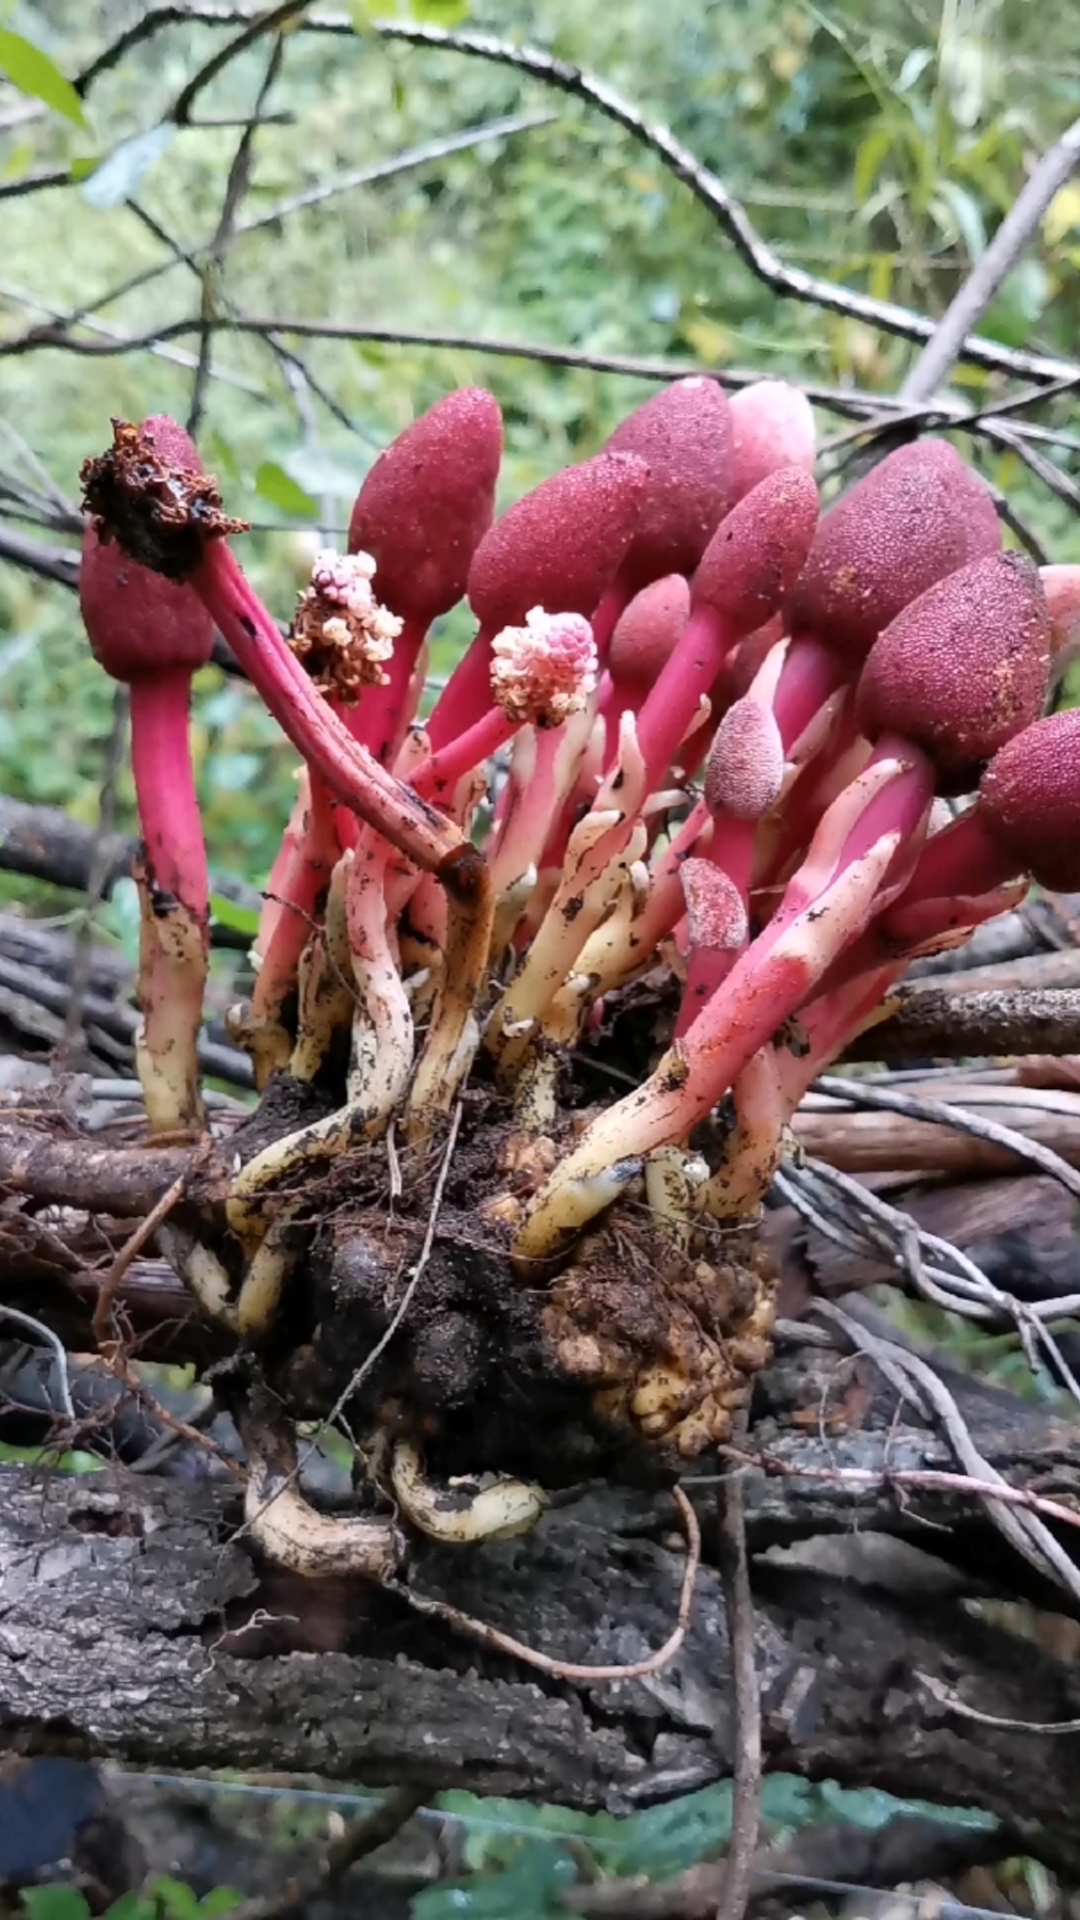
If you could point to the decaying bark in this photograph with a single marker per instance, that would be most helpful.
(123, 1603)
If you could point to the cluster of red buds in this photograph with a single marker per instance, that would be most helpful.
(702, 727)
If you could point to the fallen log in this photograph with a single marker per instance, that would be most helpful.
(124, 1604)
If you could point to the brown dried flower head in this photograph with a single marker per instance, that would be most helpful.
(160, 512)
(341, 634)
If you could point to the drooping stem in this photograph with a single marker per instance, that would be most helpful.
(291, 915)
(314, 729)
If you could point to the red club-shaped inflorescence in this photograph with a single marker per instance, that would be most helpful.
(963, 667)
(918, 516)
(1029, 801)
(684, 435)
(153, 634)
(558, 549)
(421, 513)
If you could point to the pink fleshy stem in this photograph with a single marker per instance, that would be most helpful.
(825, 909)
(717, 936)
(466, 695)
(314, 729)
(754, 1148)
(599, 853)
(437, 778)
(543, 768)
(579, 798)
(379, 1069)
(767, 1092)
(326, 995)
(608, 614)
(174, 899)
(380, 718)
(292, 910)
(665, 904)
(685, 680)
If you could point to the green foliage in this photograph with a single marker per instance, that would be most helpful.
(166, 1899)
(520, 1858)
(69, 1461)
(34, 73)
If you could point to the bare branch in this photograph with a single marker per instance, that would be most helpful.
(962, 1025)
(946, 343)
(272, 21)
(711, 191)
(237, 182)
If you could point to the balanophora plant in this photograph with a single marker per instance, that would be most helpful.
(542, 975)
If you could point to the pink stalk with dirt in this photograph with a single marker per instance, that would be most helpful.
(153, 635)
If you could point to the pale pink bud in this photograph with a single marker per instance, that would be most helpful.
(1061, 586)
(1030, 799)
(774, 427)
(745, 769)
(714, 907)
(546, 670)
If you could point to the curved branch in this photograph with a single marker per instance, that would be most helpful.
(946, 343)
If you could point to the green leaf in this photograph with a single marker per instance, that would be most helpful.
(870, 159)
(174, 1900)
(132, 1906)
(54, 1903)
(439, 13)
(77, 1462)
(221, 1900)
(272, 481)
(961, 210)
(34, 73)
(228, 914)
(124, 169)
(530, 1889)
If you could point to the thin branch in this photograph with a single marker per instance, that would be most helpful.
(948, 1697)
(946, 344)
(237, 182)
(440, 148)
(51, 1340)
(926, 1023)
(712, 193)
(137, 1240)
(272, 21)
(856, 1093)
(362, 1836)
(123, 1181)
(917, 1381)
(33, 556)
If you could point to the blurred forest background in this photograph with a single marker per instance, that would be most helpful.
(874, 142)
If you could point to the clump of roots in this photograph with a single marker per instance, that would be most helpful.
(630, 1359)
